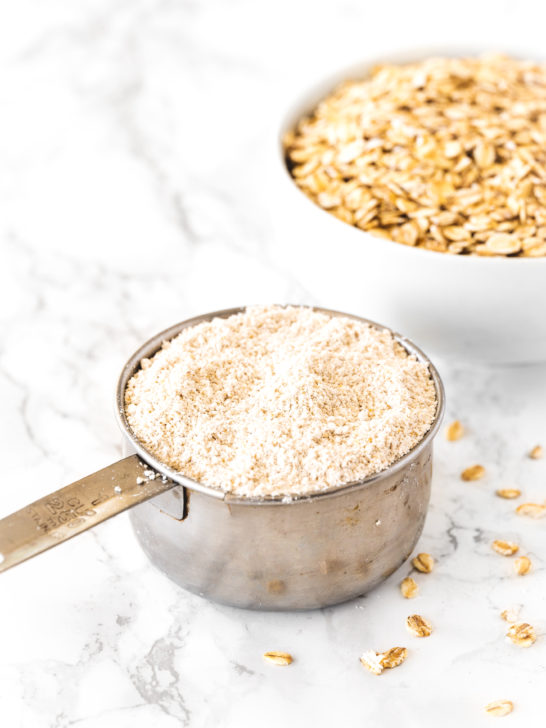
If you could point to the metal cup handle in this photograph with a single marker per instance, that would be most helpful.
(76, 508)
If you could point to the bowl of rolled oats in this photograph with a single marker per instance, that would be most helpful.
(415, 191)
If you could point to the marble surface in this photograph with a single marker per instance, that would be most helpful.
(134, 192)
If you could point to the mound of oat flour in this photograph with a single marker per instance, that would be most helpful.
(280, 400)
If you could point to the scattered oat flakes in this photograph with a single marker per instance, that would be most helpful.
(376, 662)
(499, 708)
(474, 472)
(372, 661)
(394, 657)
(409, 588)
(536, 453)
(505, 548)
(502, 244)
(532, 510)
(418, 625)
(446, 154)
(522, 634)
(423, 563)
(522, 565)
(510, 615)
(508, 493)
(454, 431)
(278, 658)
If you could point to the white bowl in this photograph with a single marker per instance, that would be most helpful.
(491, 310)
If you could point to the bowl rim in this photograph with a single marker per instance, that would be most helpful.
(153, 344)
(304, 101)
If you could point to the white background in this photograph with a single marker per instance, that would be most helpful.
(135, 149)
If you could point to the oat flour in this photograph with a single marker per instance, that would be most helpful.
(280, 400)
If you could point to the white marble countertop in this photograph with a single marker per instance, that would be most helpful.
(134, 193)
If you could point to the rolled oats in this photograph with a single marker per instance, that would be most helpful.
(394, 657)
(278, 658)
(372, 661)
(423, 562)
(418, 625)
(536, 453)
(510, 615)
(505, 548)
(409, 588)
(522, 565)
(522, 634)
(376, 662)
(502, 244)
(508, 493)
(474, 472)
(499, 708)
(448, 154)
(454, 431)
(532, 510)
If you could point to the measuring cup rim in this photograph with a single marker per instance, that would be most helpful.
(153, 344)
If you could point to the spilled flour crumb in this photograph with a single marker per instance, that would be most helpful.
(280, 400)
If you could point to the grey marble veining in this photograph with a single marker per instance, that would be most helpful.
(135, 191)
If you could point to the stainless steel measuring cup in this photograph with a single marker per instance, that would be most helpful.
(261, 553)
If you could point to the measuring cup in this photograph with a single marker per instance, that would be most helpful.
(260, 553)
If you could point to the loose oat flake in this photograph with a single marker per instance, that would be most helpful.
(536, 453)
(522, 634)
(505, 548)
(447, 154)
(372, 661)
(278, 658)
(409, 588)
(510, 615)
(423, 563)
(418, 625)
(376, 662)
(508, 493)
(531, 510)
(394, 657)
(499, 708)
(474, 472)
(281, 401)
(454, 431)
(522, 565)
